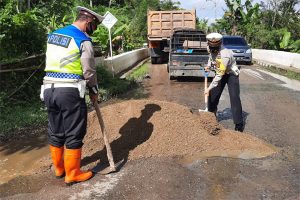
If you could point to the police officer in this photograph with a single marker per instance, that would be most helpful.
(70, 67)
(221, 60)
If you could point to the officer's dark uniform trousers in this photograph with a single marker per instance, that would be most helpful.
(67, 114)
(234, 94)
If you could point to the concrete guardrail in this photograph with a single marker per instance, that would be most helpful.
(277, 58)
(123, 61)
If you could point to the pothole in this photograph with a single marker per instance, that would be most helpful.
(18, 157)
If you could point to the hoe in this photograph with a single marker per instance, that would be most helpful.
(112, 166)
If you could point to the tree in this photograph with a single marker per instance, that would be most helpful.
(169, 5)
(240, 15)
(202, 25)
(282, 21)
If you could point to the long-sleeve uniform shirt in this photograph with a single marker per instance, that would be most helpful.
(222, 62)
(88, 63)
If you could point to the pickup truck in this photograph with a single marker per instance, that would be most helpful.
(188, 54)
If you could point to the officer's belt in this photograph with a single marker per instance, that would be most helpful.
(59, 85)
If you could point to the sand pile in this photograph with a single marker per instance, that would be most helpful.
(144, 128)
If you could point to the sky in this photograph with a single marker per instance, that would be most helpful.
(208, 9)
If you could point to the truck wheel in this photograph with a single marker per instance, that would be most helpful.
(159, 60)
(171, 77)
(153, 60)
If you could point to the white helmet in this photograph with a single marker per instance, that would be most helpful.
(214, 39)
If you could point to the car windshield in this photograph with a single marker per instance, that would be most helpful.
(234, 41)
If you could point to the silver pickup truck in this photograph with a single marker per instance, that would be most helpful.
(188, 54)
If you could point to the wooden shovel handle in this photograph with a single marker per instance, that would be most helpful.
(205, 87)
(106, 142)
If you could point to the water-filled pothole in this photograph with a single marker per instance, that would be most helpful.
(18, 157)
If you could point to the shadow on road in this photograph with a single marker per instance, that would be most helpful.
(192, 79)
(227, 114)
(135, 132)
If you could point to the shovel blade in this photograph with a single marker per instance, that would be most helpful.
(104, 170)
(107, 170)
(205, 110)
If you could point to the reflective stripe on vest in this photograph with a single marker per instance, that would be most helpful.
(63, 50)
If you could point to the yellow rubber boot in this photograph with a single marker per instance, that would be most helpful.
(57, 159)
(72, 167)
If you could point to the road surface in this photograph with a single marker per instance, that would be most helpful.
(271, 109)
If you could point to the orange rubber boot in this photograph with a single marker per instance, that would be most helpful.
(72, 167)
(57, 159)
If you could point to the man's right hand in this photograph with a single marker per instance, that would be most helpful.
(94, 98)
(206, 68)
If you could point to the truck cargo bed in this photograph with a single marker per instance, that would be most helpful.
(162, 23)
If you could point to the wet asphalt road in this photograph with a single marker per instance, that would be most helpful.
(272, 113)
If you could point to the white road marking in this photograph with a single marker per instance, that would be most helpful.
(253, 73)
(289, 83)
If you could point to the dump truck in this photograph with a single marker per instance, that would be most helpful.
(161, 25)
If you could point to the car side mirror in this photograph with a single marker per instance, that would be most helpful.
(249, 45)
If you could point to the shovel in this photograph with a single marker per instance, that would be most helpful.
(206, 95)
(112, 166)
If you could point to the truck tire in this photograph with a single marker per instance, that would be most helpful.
(159, 60)
(153, 60)
(249, 63)
(171, 77)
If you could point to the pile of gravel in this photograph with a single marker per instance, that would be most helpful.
(150, 128)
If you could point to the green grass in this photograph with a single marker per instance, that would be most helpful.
(284, 72)
(17, 116)
(139, 73)
(111, 86)
(22, 112)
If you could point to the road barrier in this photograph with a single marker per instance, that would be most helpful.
(118, 64)
(124, 61)
(282, 59)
